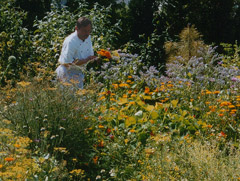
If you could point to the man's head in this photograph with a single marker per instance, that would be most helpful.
(83, 27)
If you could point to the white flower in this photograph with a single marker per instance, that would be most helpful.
(112, 173)
(139, 113)
(98, 177)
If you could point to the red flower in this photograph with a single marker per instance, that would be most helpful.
(222, 134)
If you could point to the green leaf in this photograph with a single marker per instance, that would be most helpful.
(154, 114)
(130, 120)
(174, 103)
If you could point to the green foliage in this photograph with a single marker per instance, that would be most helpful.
(91, 3)
(50, 33)
(35, 9)
(151, 51)
(140, 17)
(231, 55)
(14, 41)
(189, 45)
(104, 34)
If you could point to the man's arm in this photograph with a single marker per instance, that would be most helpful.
(84, 61)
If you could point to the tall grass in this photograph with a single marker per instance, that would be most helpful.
(193, 160)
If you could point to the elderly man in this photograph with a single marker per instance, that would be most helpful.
(76, 51)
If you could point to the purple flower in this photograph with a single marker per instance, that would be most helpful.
(234, 79)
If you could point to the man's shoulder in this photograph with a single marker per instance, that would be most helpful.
(89, 38)
(72, 38)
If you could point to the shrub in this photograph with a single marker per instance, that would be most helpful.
(14, 41)
(188, 46)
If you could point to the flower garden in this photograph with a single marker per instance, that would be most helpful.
(129, 123)
(141, 116)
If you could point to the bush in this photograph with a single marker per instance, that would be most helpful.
(14, 41)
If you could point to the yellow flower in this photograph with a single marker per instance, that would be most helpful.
(101, 126)
(115, 86)
(101, 98)
(132, 130)
(124, 85)
(77, 172)
(208, 92)
(23, 83)
(6, 121)
(133, 95)
(1, 166)
(149, 151)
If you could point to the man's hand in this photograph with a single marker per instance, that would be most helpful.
(67, 64)
(91, 58)
(81, 62)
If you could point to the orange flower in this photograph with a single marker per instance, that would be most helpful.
(147, 90)
(115, 86)
(125, 96)
(104, 53)
(9, 159)
(95, 159)
(108, 130)
(1, 166)
(231, 106)
(17, 145)
(101, 144)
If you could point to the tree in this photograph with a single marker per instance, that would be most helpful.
(214, 19)
(140, 17)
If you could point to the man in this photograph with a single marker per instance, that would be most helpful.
(76, 51)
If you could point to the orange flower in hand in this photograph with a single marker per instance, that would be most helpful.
(104, 53)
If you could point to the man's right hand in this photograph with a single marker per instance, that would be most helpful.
(91, 58)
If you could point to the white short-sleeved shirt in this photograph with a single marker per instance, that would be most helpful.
(74, 48)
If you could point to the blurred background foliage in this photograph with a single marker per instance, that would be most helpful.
(33, 30)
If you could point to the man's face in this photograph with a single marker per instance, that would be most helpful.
(84, 32)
